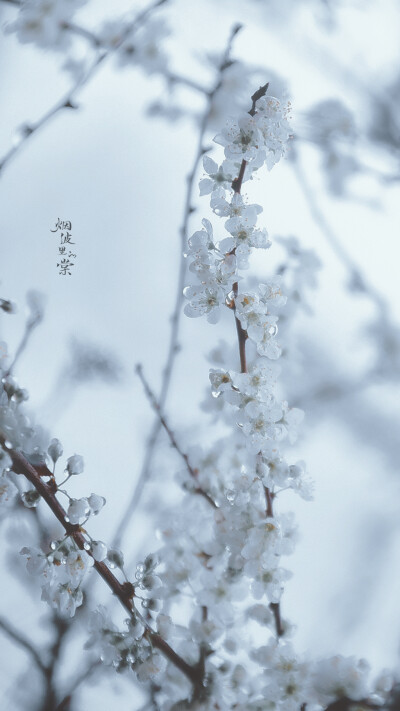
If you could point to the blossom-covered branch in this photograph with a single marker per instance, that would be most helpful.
(88, 556)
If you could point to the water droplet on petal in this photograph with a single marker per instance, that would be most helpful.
(140, 570)
(230, 299)
(231, 496)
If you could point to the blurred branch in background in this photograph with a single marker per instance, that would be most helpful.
(173, 347)
(26, 131)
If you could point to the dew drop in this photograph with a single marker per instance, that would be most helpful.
(231, 496)
(140, 570)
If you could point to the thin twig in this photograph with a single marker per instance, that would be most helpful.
(78, 681)
(62, 626)
(31, 324)
(356, 279)
(156, 406)
(23, 642)
(67, 101)
(173, 347)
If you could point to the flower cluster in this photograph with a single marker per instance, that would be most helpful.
(249, 143)
(61, 573)
(61, 569)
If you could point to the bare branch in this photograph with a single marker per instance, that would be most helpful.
(193, 472)
(23, 642)
(32, 322)
(356, 278)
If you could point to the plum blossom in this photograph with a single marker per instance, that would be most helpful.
(96, 503)
(219, 176)
(78, 509)
(61, 574)
(241, 138)
(204, 300)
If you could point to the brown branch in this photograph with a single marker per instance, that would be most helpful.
(276, 611)
(237, 182)
(153, 401)
(74, 531)
(256, 96)
(274, 606)
(242, 337)
(268, 498)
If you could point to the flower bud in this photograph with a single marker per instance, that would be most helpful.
(75, 465)
(55, 449)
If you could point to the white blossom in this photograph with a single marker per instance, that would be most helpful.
(96, 503)
(75, 465)
(78, 509)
